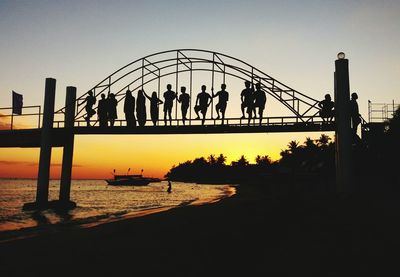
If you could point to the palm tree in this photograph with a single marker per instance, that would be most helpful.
(221, 159)
(323, 141)
(309, 143)
(263, 160)
(241, 162)
(293, 146)
(211, 159)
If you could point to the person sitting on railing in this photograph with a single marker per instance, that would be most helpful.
(169, 97)
(260, 100)
(154, 102)
(141, 108)
(102, 111)
(203, 100)
(247, 99)
(184, 99)
(327, 113)
(129, 109)
(112, 108)
(90, 100)
(223, 98)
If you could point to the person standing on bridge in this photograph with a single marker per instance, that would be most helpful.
(90, 100)
(223, 98)
(129, 109)
(184, 99)
(141, 108)
(203, 100)
(355, 115)
(326, 112)
(102, 111)
(154, 102)
(169, 97)
(260, 99)
(247, 100)
(112, 108)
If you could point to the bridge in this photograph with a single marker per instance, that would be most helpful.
(192, 67)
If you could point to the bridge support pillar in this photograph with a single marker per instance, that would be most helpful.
(42, 191)
(343, 133)
(68, 150)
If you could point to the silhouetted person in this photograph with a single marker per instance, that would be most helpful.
(203, 100)
(154, 102)
(184, 99)
(246, 97)
(90, 100)
(326, 106)
(102, 109)
(223, 98)
(354, 114)
(169, 97)
(169, 190)
(141, 108)
(260, 98)
(129, 109)
(112, 108)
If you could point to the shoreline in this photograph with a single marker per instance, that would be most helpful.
(252, 232)
(39, 230)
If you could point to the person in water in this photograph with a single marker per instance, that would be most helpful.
(326, 112)
(141, 108)
(169, 190)
(154, 103)
(203, 100)
(129, 109)
(260, 99)
(102, 111)
(223, 98)
(184, 99)
(112, 108)
(169, 97)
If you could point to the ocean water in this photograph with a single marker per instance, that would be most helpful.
(97, 202)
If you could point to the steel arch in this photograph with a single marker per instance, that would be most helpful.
(158, 65)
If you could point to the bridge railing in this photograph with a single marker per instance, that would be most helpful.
(11, 121)
(237, 121)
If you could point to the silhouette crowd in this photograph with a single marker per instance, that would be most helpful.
(136, 113)
(253, 102)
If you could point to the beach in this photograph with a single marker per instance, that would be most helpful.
(253, 232)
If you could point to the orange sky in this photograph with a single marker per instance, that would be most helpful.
(97, 156)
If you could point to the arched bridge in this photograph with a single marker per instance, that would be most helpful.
(190, 68)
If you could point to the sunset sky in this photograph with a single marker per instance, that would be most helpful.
(79, 43)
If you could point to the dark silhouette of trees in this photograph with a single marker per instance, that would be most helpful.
(312, 157)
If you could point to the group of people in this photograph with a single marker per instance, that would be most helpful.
(327, 111)
(251, 100)
(135, 109)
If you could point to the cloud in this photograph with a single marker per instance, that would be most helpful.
(25, 163)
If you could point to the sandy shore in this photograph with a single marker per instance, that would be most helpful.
(251, 233)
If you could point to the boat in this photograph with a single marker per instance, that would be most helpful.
(131, 180)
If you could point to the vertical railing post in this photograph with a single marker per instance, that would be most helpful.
(42, 191)
(68, 150)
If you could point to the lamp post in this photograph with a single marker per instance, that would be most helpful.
(343, 133)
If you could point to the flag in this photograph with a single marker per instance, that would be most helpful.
(16, 103)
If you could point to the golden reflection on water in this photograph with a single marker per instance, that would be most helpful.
(99, 203)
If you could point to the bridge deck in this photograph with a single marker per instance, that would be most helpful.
(31, 137)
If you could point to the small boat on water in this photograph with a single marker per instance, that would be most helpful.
(131, 180)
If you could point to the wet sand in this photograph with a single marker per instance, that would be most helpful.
(251, 233)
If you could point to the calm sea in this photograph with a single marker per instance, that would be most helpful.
(97, 202)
